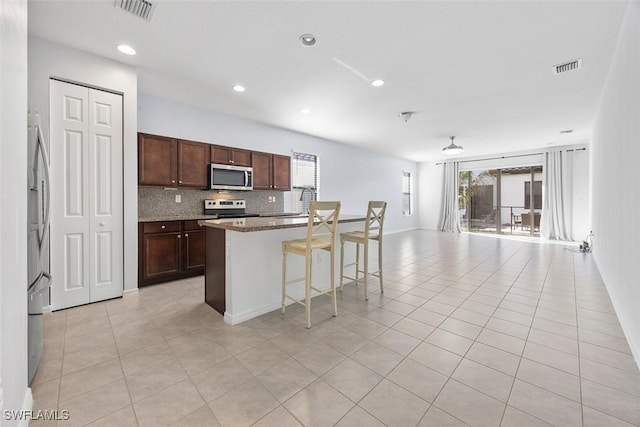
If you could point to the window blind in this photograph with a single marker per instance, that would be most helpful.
(406, 194)
(304, 176)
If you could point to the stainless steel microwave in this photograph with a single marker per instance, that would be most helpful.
(228, 177)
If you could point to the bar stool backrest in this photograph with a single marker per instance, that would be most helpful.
(323, 222)
(375, 219)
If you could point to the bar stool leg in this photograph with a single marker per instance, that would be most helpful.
(357, 261)
(333, 283)
(380, 264)
(307, 289)
(341, 264)
(366, 271)
(284, 277)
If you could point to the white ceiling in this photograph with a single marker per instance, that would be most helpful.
(479, 70)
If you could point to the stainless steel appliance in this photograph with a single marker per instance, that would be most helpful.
(228, 177)
(38, 210)
(227, 208)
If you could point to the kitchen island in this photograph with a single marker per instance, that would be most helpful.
(243, 267)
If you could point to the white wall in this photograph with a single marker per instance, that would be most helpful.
(13, 207)
(431, 178)
(348, 174)
(615, 165)
(47, 59)
(581, 214)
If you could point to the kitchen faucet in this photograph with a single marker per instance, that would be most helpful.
(311, 191)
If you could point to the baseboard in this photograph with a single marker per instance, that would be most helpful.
(27, 406)
(247, 315)
(129, 292)
(399, 231)
(633, 344)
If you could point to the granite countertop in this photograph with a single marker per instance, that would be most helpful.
(268, 223)
(182, 217)
(187, 217)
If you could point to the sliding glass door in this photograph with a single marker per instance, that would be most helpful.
(502, 201)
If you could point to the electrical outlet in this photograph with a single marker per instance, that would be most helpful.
(271, 199)
(178, 198)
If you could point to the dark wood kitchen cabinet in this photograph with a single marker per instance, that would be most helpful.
(271, 171)
(230, 155)
(170, 250)
(193, 247)
(171, 162)
(157, 160)
(193, 159)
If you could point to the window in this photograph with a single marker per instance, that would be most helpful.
(304, 178)
(407, 209)
(537, 194)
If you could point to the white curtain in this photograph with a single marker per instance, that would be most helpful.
(555, 223)
(450, 218)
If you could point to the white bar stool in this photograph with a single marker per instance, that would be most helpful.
(321, 231)
(372, 231)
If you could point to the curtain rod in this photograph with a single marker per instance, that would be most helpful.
(511, 157)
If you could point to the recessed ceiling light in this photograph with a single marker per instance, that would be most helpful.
(377, 83)
(126, 49)
(239, 88)
(305, 111)
(308, 40)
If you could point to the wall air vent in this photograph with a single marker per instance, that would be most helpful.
(568, 66)
(140, 8)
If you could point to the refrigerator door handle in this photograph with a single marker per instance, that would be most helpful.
(46, 196)
(39, 285)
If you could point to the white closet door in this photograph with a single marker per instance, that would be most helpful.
(86, 195)
(105, 195)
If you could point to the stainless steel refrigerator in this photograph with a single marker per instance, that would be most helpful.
(39, 279)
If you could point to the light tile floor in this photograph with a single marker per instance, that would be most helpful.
(470, 330)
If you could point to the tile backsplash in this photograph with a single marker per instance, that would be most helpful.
(154, 201)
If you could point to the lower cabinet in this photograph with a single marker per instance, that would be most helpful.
(170, 250)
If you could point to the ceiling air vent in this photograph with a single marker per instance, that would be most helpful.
(567, 66)
(140, 8)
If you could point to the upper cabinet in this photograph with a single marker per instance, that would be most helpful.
(170, 162)
(231, 156)
(157, 160)
(271, 171)
(193, 159)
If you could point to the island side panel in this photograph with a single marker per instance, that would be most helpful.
(254, 270)
(215, 276)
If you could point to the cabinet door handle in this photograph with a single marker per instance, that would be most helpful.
(173, 181)
(231, 161)
(186, 235)
(180, 182)
(163, 227)
(179, 236)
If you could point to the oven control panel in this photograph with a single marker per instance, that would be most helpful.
(224, 204)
